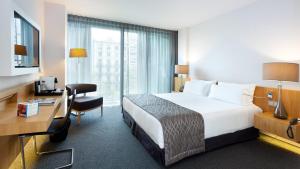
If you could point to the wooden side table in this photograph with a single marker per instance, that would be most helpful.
(178, 81)
(266, 122)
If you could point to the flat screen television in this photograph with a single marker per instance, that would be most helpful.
(26, 43)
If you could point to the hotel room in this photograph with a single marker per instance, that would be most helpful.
(149, 84)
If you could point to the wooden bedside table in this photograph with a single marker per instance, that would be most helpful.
(266, 122)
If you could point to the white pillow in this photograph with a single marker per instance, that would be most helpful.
(248, 91)
(198, 87)
(241, 94)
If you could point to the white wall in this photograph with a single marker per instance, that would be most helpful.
(52, 20)
(183, 46)
(233, 47)
(55, 33)
(35, 10)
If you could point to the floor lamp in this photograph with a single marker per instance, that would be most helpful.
(78, 53)
(281, 71)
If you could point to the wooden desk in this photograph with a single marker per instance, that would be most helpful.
(11, 124)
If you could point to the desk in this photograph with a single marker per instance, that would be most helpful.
(11, 124)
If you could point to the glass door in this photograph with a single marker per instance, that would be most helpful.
(106, 63)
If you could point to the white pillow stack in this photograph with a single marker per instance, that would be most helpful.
(198, 87)
(241, 94)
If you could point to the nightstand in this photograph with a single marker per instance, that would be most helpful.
(178, 82)
(267, 123)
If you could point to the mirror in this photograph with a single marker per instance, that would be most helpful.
(26, 43)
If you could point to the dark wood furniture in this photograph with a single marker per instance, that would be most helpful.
(84, 102)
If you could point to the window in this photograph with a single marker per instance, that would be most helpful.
(108, 79)
(144, 66)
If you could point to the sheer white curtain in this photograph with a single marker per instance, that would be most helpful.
(79, 69)
(161, 61)
(149, 59)
(135, 62)
(140, 61)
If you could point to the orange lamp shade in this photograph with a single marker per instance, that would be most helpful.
(281, 71)
(20, 50)
(181, 69)
(78, 53)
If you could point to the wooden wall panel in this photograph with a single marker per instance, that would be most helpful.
(290, 99)
(9, 145)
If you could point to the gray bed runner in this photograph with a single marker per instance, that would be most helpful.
(183, 129)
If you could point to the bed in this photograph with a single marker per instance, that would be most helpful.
(224, 122)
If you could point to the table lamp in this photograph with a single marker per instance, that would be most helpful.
(181, 70)
(78, 53)
(281, 71)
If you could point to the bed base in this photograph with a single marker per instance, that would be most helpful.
(210, 144)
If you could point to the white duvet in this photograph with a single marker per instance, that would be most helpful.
(219, 117)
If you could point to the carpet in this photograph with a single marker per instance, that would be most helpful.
(107, 143)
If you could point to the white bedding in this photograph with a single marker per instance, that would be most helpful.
(219, 117)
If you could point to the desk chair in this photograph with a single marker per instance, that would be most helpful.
(57, 131)
(84, 103)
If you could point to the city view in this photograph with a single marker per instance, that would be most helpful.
(106, 63)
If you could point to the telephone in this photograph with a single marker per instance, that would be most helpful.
(289, 131)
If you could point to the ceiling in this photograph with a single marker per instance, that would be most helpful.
(167, 14)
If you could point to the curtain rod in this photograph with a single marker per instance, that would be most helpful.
(121, 24)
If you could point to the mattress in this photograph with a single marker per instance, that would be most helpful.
(219, 117)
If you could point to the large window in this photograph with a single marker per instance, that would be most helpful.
(135, 76)
(105, 54)
(122, 59)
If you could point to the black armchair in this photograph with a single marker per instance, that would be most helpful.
(85, 103)
(57, 131)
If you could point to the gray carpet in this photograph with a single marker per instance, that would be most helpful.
(106, 143)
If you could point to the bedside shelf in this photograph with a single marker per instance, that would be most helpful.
(266, 122)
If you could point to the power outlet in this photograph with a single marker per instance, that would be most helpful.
(272, 103)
